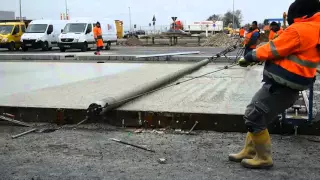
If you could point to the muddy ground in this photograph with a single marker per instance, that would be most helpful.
(87, 153)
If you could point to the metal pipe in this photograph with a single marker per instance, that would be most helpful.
(122, 99)
(133, 145)
(24, 133)
(109, 103)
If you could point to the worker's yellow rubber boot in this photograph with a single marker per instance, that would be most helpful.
(262, 145)
(247, 152)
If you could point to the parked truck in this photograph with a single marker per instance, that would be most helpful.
(204, 26)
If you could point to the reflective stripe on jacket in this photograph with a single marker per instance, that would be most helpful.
(292, 58)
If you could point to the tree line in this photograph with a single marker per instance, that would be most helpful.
(227, 18)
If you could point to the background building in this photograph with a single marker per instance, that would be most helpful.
(7, 15)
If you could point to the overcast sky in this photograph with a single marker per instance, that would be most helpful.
(143, 10)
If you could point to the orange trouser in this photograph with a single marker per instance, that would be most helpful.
(99, 43)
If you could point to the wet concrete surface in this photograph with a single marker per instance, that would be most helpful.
(82, 90)
(87, 153)
(19, 77)
(225, 92)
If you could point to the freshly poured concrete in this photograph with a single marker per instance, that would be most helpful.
(55, 89)
(225, 92)
(18, 77)
(76, 85)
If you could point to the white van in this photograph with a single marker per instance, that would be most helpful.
(42, 34)
(78, 34)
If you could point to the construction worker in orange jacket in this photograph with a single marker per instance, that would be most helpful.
(241, 32)
(252, 38)
(275, 31)
(98, 37)
(290, 66)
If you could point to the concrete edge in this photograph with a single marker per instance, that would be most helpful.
(142, 119)
(181, 58)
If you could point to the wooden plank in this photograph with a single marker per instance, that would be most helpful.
(15, 121)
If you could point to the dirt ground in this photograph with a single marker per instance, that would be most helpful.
(87, 153)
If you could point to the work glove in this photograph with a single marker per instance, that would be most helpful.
(243, 63)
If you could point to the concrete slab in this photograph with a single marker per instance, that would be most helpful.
(76, 85)
(123, 50)
(225, 92)
(118, 53)
(79, 91)
(20, 77)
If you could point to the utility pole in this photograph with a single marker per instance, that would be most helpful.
(20, 10)
(233, 16)
(66, 1)
(130, 19)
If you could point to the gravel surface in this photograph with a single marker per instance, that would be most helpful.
(87, 153)
(219, 40)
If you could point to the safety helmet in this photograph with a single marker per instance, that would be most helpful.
(301, 8)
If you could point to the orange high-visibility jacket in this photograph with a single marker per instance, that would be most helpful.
(292, 58)
(98, 36)
(241, 32)
(248, 37)
(274, 35)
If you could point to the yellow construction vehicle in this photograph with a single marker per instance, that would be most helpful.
(120, 31)
(11, 32)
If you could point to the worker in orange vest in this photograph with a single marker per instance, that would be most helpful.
(98, 37)
(291, 61)
(275, 31)
(252, 38)
(241, 32)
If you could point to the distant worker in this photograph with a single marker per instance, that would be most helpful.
(98, 38)
(242, 32)
(291, 61)
(252, 38)
(275, 31)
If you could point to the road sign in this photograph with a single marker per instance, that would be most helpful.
(214, 25)
(154, 23)
(174, 18)
(154, 18)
